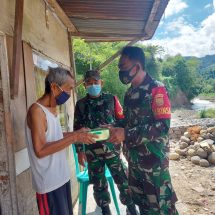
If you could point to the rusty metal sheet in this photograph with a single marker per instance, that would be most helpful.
(110, 20)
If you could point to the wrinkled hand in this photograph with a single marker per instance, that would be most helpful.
(82, 158)
(117, 135)
(84, 137)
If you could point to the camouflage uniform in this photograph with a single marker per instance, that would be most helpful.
(147, 121)
(91, 113)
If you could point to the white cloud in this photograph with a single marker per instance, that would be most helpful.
(175, 6)
(208, 6)
(214, 3)
(190, 41)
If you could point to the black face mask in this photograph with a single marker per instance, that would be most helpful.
(124, 76)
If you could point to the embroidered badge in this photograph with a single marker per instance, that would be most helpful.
(160, 103)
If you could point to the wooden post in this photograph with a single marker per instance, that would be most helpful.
(72, 62)
(17, 46)
(8, 128)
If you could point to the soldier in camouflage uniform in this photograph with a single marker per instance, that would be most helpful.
(145, 136)
(92, 111)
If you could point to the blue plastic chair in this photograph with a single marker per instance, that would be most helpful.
(83, 179)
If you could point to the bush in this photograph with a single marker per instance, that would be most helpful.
(209, 113)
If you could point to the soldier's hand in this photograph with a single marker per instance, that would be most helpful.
(85, 137)
(82, 158)
(117, 135)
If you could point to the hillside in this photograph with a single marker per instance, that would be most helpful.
(207, 66)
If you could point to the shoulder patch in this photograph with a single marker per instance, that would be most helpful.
(160, 103)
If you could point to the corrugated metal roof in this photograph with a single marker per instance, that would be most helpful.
(112, 20)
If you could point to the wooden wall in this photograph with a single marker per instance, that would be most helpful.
(51, 40)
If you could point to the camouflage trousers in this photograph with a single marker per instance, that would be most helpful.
(98, 159)
(152, 190)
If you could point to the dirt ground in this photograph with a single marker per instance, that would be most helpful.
(194, 185)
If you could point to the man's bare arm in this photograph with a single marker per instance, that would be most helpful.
(37, 123)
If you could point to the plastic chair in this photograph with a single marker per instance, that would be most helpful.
(83, 179)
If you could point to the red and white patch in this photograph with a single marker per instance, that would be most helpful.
(160, 103)
(118, 109)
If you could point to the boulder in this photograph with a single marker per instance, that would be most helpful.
(195, 160)
(206, 145)
(200, 139)
(191, 147)
(211, 130)
(211, 158)
(204, 163)
(174, 156)
(208, 141)
(187, 134)
(191, 152)
(183, 145)
(196, 145)
(203, 132)
(204, 136)
(213, 148)
(184, 139)
(182, 152)
(201, 153)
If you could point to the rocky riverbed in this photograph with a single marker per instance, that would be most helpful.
(194, 183)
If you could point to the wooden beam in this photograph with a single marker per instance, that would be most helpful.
(61, 14)
(106, 35)
(111, 59)
(151, 24)
(17, 46)
(8, 127)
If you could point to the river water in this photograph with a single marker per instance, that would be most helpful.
(200, 104)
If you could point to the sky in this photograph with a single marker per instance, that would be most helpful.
(187, 28)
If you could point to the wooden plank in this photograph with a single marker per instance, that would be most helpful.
(29, 75)
(17, 45)
(18, 104)
(61, 14)
(4, 69)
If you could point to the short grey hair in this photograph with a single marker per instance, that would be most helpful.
(56, 75)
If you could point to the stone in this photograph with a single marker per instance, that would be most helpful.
(206, 145)
(198, 189)
(204, 163)
(213, 148)
(211, 130)
(187, 134)
(203, 131)
(191, 152)
(204, 136)
(182, 152)
(183, 167)
(200, 139)
(196, 145)
(184, 139)
(211, 158)
(183, 145)
(192, 142)
(195, 160)
(191, 147)
(201, 153)
(209, 141)
(174, 156)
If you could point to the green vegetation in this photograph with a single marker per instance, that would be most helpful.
(209, 113)
(178, 73)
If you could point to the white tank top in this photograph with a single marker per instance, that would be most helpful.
(52, 171)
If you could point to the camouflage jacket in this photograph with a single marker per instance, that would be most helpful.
(147, 121)
(94, 112)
